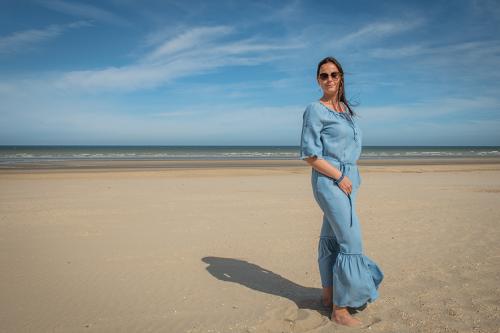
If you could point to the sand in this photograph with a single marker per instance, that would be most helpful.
(233, 249)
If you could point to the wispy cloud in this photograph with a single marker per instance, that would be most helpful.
(84, 11)
(428, 133)
(378, 30)
(440, 121)
(199, 49)
(488, 8)
(89, 121)
(477, 49)
(21, 41)
(175, 114)
(471, 62)
(434, 110)
(290, 11)
(187, 40)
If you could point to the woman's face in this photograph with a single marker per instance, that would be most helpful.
(328, 84)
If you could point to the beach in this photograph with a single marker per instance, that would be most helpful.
(231, 246)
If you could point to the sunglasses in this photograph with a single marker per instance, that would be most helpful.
(335, 76)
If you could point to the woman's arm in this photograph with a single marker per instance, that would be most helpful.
(311, 146)
(329, 170)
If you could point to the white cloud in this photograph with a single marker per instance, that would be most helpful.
(85, 11)
(174, 114)
(399, 52)
(290, 11)
(476, 50)
(48, 120)
(21, 41)
(444, 121)
(195, 51)
(460, 133)
(486, 8)
(188, 40)
(377, 30)
(433, 110)
(472, 62)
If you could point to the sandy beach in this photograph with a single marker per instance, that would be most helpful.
(210, 248)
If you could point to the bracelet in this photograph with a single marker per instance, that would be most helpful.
(337, 181)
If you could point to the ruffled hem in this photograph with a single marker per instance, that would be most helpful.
(356, 279)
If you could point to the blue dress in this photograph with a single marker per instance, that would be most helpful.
(336, 137)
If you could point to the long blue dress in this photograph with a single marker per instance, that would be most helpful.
(336, 137)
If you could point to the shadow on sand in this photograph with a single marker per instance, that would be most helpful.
(260, 279)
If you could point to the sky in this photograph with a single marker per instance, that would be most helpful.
(160, 72)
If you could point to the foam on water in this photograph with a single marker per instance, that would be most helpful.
(16, 154)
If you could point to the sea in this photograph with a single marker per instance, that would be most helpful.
(11, 155)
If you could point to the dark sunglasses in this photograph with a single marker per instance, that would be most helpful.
(334, 75)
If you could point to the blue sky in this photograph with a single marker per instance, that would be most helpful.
(241, 72)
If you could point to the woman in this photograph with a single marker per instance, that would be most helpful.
(331, 144)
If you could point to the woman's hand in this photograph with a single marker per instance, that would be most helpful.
(346, 185)
(327, 169)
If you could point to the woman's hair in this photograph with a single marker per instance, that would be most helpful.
(341, 90)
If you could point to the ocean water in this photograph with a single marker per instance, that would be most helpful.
(20, 154)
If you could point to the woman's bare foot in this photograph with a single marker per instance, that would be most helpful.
(326, 299)
(343, 317)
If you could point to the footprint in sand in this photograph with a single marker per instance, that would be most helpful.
(292, 319)
(372, 322)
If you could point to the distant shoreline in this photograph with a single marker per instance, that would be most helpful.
(95, 165)
(91, 157)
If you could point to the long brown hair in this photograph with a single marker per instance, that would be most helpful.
(341, 90)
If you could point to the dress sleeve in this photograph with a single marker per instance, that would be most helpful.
(310, 142)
